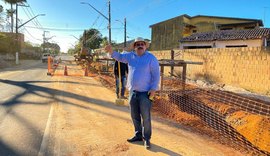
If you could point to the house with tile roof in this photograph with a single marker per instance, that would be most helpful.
(227, 38)
(165, 35)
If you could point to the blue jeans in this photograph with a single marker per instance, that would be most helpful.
(123, 81)
(140, 107)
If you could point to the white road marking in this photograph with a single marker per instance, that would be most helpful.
(45, 139)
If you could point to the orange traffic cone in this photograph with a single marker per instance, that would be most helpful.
(49, 66)
(86, 71)
(65, 71)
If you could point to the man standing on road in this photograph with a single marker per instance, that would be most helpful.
(143, 81)
(123, 71)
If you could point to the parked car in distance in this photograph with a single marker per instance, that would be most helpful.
(45, 57)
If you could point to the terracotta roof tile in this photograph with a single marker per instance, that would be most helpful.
(228, 35)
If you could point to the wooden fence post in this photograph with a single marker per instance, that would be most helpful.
(172, 58)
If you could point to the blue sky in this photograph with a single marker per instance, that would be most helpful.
(65, 18)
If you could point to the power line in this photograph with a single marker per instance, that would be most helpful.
(29, 16)
(95, 22)
(31, 12)
(34, 14)
(30, 34)
(61, 29)
(143, 9)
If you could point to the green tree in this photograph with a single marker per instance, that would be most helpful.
(77, 48)
(91, 39)
(71, 51)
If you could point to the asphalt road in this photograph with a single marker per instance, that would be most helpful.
(25, 101)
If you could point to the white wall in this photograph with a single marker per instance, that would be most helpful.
(223, 44)
(249, 43)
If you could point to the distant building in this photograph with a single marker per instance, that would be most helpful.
(166, 34)
(227, 38)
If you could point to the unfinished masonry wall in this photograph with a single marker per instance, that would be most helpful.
(248, 68)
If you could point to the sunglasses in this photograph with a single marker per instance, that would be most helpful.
(139, 44)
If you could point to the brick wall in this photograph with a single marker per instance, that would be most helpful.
(248, 67)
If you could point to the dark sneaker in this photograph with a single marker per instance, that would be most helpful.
(147, 144)
(134, 139)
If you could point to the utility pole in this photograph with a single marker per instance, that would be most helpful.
(17, 15)
(19, 26)
(12, 21)
(17, 20)
(110, 31)
(16, 27)
(44, 40)
(18, 46)
(125, 33)
(17, 38)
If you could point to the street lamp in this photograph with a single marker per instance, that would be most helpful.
(107, 18)
(125, 31)
(17, 39)
(22, 5)
(30, 20)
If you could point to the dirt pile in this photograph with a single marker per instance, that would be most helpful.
(246, 127)
(254, 128)
(239, 120)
